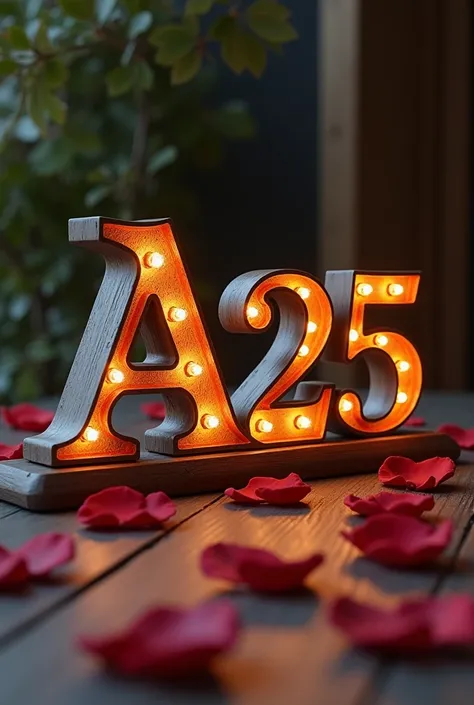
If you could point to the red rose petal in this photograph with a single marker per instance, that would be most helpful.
(27, 417)
(372, 627)
(464, 437)
(247, 495)
(11, 452)
(408, 504)
(398, 471)
(398, 540)
(290, 490)
(169, 641)
(415, 421)
(259, 569)
(125, 507)
(45, 552)
(13, 570)
(426, 624)
(154, 410)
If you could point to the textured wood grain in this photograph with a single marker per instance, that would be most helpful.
(41, 488)
(288, 653)
(98, 553)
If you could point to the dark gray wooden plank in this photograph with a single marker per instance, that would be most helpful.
(288, 654)
(447, 680)
(98, 553)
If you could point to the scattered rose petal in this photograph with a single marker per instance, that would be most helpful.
(11, 452)
(464, 437)
(397, 540)
(290, 490)
(415, 421)
(125, 507)
(45, 552)
(168, 641)
(13, 570)
(427, 624)
(397, 471)
(259, 569)
(408, 504)
(27, 417)
(154, 410)
(35, 559)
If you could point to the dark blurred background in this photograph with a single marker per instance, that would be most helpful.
(313, 135)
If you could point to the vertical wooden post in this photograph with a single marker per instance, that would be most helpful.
(394, 160)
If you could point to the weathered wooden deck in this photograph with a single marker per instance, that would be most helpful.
(288, 654)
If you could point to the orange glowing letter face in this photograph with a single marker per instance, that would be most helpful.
(145, 288)
(305, 323)
(394, 365)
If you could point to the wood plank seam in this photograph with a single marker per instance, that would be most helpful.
(373, 693)
(34, 621)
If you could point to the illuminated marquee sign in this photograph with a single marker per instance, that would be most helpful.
(146, 288)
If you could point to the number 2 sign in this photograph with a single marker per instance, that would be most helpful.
(146, 287)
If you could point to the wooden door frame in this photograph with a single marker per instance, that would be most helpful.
(394, 82)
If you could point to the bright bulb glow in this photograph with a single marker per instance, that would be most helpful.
(403, 366)
(381, 340)
(91, 434)
(177, 314)
(364, 289)
(252, 312)
(402, 397)
(264, 426)
(303, 351)
(154, 260)
(210, 421)
(302, 422)
(303, 291)
(353, 335)
(345, 405)
(192, 369)
(115, 376)
(395, 289)
(312, 327)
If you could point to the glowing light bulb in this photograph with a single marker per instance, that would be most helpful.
(312, 327)
(252, 312)
(210, 421)
(403, 366)
(193, 369)
(402, 397)
(381, 340)
(302, 422)
(177, 314)
(395, 289)
(91, 434)
(364, 289)
(303, 351)
(303, 291)
(154, 260)
(353, 335)
(264, 426)
(345, 405)
(115, 376)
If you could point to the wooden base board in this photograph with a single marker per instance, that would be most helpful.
(40, 488)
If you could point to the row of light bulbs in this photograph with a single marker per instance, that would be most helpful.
(365, 289)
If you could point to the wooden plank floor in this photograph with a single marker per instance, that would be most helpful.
(288, 654)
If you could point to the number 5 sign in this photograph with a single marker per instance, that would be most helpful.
(208, 440)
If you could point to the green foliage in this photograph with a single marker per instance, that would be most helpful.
(103, 105)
